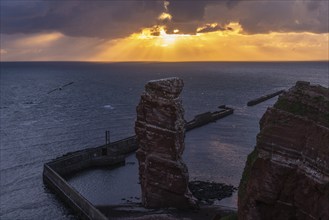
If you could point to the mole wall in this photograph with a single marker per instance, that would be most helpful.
(54, 172)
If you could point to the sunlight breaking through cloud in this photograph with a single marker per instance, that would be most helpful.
(229, 44)
(168, 36)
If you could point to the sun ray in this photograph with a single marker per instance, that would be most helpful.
(227, 44)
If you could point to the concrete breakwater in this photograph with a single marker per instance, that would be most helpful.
(55, 171)
(93, 157)
(263, 98)
(207, 117)
(107, 155)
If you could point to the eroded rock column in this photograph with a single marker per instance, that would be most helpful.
(160, 133)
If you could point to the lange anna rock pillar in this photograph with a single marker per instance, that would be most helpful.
(160, 130)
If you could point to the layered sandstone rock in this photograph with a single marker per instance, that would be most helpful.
(287, 175)
(160, 134)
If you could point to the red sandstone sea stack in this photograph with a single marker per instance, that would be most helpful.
(160, 130)
(287, 174)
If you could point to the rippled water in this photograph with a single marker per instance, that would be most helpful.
(37, 126)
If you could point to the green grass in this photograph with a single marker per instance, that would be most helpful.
(292, 107)
(309, 111)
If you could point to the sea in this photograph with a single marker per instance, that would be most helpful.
(51, 108)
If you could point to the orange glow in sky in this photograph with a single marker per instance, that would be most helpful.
(231, 44)
(210, 38)
(157, 36)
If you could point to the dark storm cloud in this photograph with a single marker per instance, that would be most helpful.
(90, 18)
(113, 18)
(187, 11)
(255, 16)
(282, 16)
(314, 5)
(183, 10)
(187, 16)
(212, 28)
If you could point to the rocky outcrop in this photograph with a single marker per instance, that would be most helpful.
(160, 134)
(287, 174)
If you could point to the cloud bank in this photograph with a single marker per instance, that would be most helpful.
(115, 19)
(87, 18)
(80, 29)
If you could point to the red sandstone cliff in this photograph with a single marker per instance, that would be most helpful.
(160, 130)
(287, 174)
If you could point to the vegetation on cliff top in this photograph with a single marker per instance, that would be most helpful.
(311, 102)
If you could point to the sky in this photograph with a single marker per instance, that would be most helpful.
(172, 30)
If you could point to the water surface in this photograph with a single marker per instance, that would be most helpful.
(37, 127)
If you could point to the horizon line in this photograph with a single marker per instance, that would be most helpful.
(155, 61)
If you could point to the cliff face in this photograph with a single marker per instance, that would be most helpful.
(287, 174)
(160, 134)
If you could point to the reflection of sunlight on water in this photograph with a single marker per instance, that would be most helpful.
(212, 158)
(241, 110)
(223, 150)
(216, 161)
(228, 158)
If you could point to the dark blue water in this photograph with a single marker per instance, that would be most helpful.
(37, 127)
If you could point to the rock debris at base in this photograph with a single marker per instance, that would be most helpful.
(208, 192)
